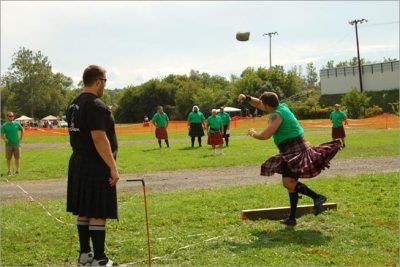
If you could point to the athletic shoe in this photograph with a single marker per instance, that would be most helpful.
(318, 205)
(104, 262)
(288, 221)
(17, 172)
(8, 173)
(85, 259)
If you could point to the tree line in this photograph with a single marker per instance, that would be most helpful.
(31, 88)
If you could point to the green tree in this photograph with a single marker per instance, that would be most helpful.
(356, 103)
(311, 76)
(34, 89)
(388, 59)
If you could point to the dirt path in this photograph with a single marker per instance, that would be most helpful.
(169, 181)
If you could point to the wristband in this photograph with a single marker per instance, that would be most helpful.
(248, 98)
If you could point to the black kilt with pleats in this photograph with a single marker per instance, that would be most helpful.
(89, 193)
(196, 129)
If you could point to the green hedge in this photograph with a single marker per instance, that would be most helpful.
(380, 98)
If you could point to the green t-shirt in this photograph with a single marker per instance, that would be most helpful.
(161, 119)
(289, 127)
(337, 118)
(225, 117)
(214, 123)
(10, 130)
(196, 117)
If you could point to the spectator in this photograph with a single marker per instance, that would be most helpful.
(214, 131)
(160, 121)
(196, 125)
(9, 134)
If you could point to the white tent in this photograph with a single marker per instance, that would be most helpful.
(24, 120)
(50, 118)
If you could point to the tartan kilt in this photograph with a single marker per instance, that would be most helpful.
(338, 132)
(196, 129)
(215, 139)
(88, 192)
(225, 134)
(161, 133)
(298, 156)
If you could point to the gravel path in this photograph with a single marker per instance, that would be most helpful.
(170, 181)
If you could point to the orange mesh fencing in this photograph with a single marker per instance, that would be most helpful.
(383, 121)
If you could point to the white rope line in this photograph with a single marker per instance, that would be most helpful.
(38, 202)
(176, 250)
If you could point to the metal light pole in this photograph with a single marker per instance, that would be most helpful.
(355, 22)
(270, 34)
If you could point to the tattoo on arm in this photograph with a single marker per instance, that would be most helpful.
(273, 117)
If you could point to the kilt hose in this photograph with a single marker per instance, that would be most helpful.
(338, 132)
(299, 157)
(161, 133)
(215, 139)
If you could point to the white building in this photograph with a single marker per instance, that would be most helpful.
(375, 77)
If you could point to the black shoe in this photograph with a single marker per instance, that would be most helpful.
(288, 221)
(318, 205)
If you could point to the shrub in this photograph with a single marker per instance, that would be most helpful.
(356, 103)
(373, 110)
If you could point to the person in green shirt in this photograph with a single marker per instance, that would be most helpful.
(196, 125)
(9, 134)
(297, 158)
(160, 121)
(338, 117)
(226, 120)
(214, 131)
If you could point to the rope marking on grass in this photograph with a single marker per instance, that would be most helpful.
(176, 250)
(38, 202)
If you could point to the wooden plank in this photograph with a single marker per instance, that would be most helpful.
(279, 213)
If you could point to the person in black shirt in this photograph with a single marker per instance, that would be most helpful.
(92, 170)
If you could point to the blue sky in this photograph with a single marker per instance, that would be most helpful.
(139, 40)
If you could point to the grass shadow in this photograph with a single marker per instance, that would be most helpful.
(281, 238)
(189, 148)
(151, 149)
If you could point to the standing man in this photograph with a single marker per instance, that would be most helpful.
(337, 118)
(9, 134)
(214, 131)
(226, 121)
(196, 125)
(92, 171)
(160, 121)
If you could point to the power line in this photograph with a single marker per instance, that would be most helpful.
(382, 23)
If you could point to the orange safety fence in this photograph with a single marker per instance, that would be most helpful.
(383, 121)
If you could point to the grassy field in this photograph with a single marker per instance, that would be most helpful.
(48, 163)
(204, 228)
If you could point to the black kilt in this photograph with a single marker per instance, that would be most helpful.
(196, 129)
(226, 134)
(89, 193)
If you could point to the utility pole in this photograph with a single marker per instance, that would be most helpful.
(270, 34)
(355, 22)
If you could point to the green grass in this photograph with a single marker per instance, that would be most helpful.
(137, 158)
(203, 227)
